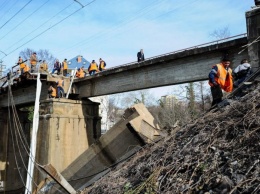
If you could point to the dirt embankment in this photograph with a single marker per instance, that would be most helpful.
(219, 153)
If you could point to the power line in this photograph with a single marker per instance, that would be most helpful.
(24, 20)
(8, 9)
(40, 26)
(15, 14)
(51, 27)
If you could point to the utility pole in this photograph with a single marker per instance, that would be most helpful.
(2, 67)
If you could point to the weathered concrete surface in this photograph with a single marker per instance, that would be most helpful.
(24, 93)
(13, 157)
(135, 129)
(66, 129)
(253, 34)
(186, 66)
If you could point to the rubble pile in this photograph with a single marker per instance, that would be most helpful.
(218, 153)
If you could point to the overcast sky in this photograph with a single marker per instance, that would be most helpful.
(114, 29)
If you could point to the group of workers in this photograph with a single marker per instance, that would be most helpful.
(221, 78)
(59, 67)
(93, 68)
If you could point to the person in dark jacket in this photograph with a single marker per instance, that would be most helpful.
(57, 67)
(241, 72)
(140, 55)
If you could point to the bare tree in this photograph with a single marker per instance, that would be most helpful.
(42, 54)
(220, 33)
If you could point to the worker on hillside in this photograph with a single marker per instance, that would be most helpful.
(60, 85)
(140, 55)
(52, 91)
(22, 64)
(102, 65)
(33, 62)
(44, 67)
(56, 67)
(80, 72)
(65, 67)
(220, 77)
(241, 72)
(93, 68)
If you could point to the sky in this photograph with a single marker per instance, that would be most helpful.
(114, 30)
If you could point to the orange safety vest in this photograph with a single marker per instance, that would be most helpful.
(54, 94)
(60, 83)
(65, 65)
(44, 66)
(224, 78)
(26, 68)
(102, 65)
(93, 66)
(80, 73)
(22, 65)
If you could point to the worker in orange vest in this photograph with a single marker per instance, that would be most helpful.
(22, 64)
(93, 68)
(52, 92)
(220, 77)
(33, 62)
(102, 65)
(65, 67)
(80, 72)
(60, 85)
(44, 67)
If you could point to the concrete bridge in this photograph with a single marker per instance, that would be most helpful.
(68, 127)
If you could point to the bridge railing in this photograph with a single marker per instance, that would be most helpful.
(185, 49)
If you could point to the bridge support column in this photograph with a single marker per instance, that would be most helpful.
(13, 157)
(253, 35)
(66, 129)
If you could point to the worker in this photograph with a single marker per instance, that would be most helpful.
(80, 72)
(26, 68)
(93, 68)
(60, 85)
(220, 77)
(33, 62)
(22, 64)
(52, 91)
(44, 67)
(65, 67)
(102, 65)
(140, 55)
(241, 72)
(56, 67)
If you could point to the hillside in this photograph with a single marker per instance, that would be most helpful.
(218, 153)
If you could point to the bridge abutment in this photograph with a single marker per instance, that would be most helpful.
(66, 129)
(253, 36)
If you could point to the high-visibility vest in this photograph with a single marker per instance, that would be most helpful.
(60, 83)
(26, 68)
(93, 66)
(80, 73)
(102, 65)
(44, 66)
(224, 78)
(65, 65)
(22, 65)
(54, 93)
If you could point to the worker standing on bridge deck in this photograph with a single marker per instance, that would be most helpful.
(80, 72)
(60, 85)
(21, 64)
(102, 65)
(44, 67)
(220, 77)
(56, 67)
(93, 68)
(65, 67)
(33, 62)
(140, 55)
